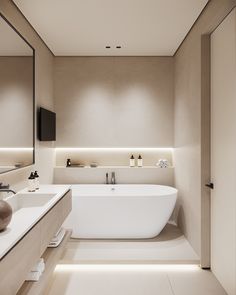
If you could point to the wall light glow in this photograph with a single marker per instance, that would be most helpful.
(11, 149)
(127, 267)
(107, 149)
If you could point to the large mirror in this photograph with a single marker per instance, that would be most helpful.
(16, 99)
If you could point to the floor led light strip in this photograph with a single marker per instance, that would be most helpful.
(127, 267)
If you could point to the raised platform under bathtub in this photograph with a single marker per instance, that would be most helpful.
(169, 247)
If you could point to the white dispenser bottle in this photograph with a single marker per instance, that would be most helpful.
(132, 161)
(31, 182)
(36, 180)
(140, 161)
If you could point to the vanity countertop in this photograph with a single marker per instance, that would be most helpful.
(25, 218)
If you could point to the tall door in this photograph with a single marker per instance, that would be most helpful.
(223, 153)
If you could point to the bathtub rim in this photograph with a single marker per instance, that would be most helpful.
(170, 190)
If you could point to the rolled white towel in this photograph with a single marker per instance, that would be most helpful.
(42, 267)
(39, 266)
(33, 276)
(163, 163)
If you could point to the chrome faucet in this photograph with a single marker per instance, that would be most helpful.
(113, 178)
(6, 188)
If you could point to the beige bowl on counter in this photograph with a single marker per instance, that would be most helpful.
(5, 214)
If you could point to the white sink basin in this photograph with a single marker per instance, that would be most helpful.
(28, 209)
(28, 200)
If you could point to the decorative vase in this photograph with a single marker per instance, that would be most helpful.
(5, 214)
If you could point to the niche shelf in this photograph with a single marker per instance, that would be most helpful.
(114, 167)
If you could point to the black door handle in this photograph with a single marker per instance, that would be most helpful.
(210, 185)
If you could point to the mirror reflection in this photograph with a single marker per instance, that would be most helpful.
(16, 100)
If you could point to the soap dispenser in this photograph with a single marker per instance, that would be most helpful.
(68, 163)
(140, 161)
(132, 161)
(31, 183)
(36, 180)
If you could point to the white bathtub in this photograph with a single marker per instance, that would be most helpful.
(120, 211)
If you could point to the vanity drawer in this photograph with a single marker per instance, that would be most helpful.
(15, 266)
(50, 224)
(66, 205)
(53, 220)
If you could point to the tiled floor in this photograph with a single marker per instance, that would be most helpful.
(166, 265)
(132, 280)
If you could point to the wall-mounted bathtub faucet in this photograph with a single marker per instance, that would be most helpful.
(6, 188)
(107, 180)
(113, 178)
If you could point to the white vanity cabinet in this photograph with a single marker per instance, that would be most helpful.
(20, 259)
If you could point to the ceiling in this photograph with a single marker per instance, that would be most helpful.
(86, 27)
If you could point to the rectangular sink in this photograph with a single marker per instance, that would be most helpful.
(28, 200)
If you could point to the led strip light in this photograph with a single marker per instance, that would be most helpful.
(126, 267)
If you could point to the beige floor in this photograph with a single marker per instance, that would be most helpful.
(166, 265)
(132, 280)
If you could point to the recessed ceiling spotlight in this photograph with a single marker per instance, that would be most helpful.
(108, 47)
(118, 47)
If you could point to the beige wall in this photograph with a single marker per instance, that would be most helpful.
(44, 96)
(114, 101)
(123, 175)
(188, 129)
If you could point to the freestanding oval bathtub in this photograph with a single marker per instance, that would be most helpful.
(127, 211)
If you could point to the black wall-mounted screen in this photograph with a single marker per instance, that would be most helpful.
(47, 125)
